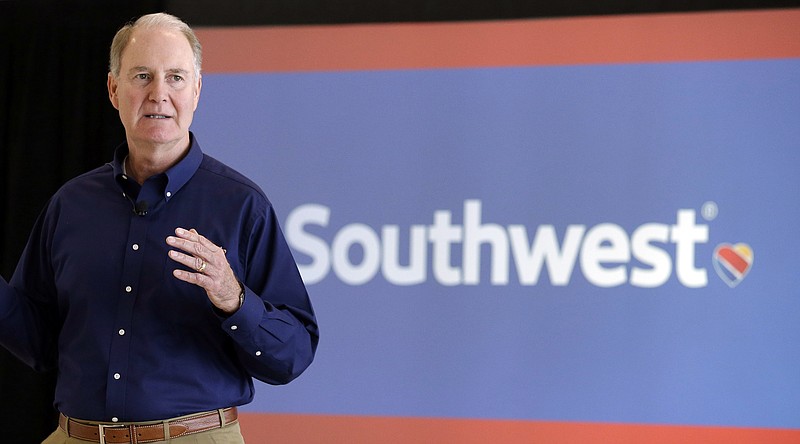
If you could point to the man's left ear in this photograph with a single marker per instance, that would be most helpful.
(197, 91)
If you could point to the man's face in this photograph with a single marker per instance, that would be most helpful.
(156, 92)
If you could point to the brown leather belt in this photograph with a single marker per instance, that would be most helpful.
(144, 432)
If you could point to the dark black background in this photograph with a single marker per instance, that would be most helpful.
(56, 121)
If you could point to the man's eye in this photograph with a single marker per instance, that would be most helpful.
(141, 76)
(177, 78)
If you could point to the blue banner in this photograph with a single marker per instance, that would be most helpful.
(600, 243)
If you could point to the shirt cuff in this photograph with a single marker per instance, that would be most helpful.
(248, 316)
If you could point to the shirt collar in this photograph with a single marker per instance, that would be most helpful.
(177, 176)
(181, 172)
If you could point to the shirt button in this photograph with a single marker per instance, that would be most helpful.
(115, 419)
(258, 353)
(121, 331)
(135, 247)
(234, 327)
(117, 376)
(169, 194)
(125, 177)
(128, 289)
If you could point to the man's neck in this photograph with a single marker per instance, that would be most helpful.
(146, 160)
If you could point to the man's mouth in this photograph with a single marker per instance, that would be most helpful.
(156, 116)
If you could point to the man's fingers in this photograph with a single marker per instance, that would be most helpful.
(210, 269)
(194, 236)
(192, 262)
(193, 243)
(198, 279)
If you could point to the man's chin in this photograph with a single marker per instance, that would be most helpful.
(161, 137)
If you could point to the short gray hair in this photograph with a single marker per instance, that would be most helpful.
(123, 37)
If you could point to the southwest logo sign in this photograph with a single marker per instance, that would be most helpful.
(449, 252)
(733, 262)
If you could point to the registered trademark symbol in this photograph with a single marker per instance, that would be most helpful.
(709, 211)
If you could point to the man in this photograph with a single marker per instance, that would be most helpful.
(159, 284)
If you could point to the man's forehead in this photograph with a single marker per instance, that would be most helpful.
(145, 68)
(158, 35)
(150, 47)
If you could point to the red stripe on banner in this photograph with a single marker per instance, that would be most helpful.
(736, 35)
(299, 429)
(733, 259)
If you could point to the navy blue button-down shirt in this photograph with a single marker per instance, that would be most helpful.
(94, 295)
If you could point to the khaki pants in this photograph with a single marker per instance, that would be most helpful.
(230, 434)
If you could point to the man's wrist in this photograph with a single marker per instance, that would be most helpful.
(241, 295)
(225, 312)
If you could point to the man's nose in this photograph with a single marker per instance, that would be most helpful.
(158, 91)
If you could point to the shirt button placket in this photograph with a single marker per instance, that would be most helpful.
(119, 356)
(134, 247)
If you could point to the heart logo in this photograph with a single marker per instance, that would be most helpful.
(733, 262)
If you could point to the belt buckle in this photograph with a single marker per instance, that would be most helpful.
(103, 427)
